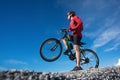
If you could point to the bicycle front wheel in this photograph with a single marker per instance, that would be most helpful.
(50, 49)
(89, 59)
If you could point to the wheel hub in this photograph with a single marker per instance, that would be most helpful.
(87, 60)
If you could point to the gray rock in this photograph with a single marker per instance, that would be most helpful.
(107, 73)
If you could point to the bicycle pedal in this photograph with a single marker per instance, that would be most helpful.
(71, 57)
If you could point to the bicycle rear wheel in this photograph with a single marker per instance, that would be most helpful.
(89, 59)
(50, 49)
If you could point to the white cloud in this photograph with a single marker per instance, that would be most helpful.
(12, 61)
(92, 3)
(107, 36)
(112, 19)
(88, 21)
(100, 3)
(115, 45)
(109, 32)
(104, 30)
(118, 63)
(113, 48)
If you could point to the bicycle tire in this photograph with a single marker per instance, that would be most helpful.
(85, 52)
(42, 54)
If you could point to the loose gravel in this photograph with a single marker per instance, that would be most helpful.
(107, 73)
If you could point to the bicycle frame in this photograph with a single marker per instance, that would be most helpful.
(85, 57)
(66, 37)
(86, 60)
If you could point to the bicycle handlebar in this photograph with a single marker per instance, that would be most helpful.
(63, 30)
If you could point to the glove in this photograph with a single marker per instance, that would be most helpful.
(70, 29)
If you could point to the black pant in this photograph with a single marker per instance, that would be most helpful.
(75, 39)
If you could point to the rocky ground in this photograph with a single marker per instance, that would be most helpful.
(107, 73)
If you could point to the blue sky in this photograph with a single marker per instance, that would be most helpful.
(24, 24)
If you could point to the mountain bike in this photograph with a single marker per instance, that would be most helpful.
(51, 49)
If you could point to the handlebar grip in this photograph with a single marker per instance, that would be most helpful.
(63, 30)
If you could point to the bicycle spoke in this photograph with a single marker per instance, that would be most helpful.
(88, 59)
(51, 49)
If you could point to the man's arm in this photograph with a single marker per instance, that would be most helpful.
(77, 23)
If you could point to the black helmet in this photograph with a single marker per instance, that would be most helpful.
(72, 13)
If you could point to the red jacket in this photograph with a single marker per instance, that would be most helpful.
(76, 25)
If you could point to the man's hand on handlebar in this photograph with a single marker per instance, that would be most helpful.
(63, 30)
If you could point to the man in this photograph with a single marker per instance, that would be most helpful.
(76, 26)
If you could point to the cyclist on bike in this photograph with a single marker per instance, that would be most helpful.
(76, 26)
